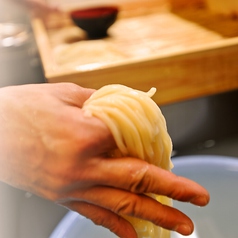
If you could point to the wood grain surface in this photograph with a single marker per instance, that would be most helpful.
(185, 53)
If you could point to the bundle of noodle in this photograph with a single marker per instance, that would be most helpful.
(140, 131)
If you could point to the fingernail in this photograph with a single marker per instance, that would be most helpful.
(184, 229)
(200, 201)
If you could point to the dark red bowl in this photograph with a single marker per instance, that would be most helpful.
(95, 20)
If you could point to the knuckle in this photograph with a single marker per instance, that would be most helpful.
(100, 220)
(162, 219)
(105, 222)
(178, 191)
(129, 205)
(114, 227)
(114, 224)
(141, 180)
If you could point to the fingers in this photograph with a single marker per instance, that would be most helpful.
(72, 93)
(140, 177)
(103, 217)
(125, 203)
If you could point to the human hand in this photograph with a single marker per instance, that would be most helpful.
(50, 148)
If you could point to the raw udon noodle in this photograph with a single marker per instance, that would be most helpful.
(139, 129)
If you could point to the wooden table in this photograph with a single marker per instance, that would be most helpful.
(185, 53)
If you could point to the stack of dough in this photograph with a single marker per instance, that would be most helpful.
(140, 131)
